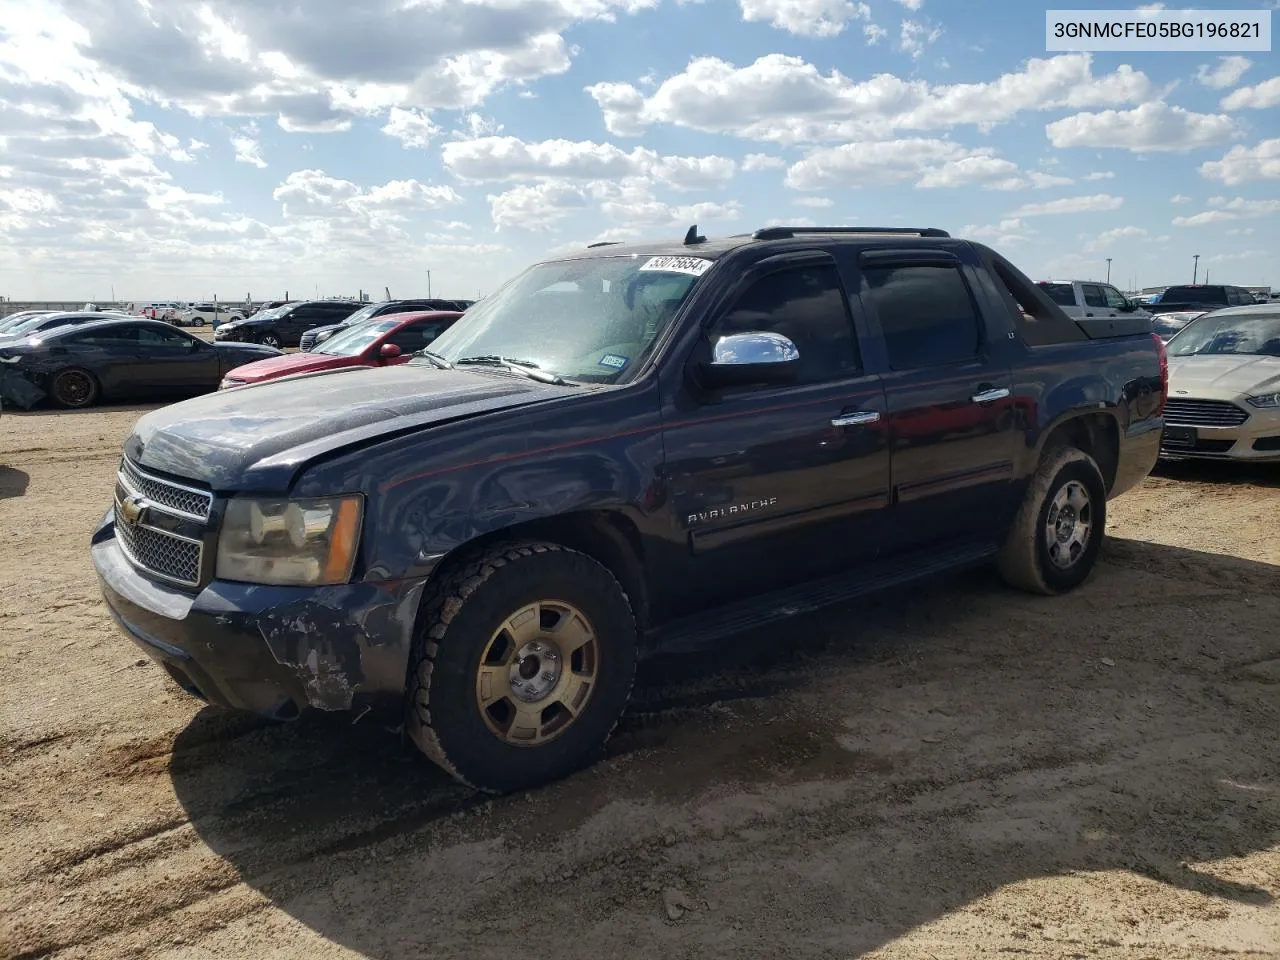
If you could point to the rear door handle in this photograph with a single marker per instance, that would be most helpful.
(855, 419)
(987, 396)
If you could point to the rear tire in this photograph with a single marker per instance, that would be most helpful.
(1055, 540)
(522, 664)
(270, 340)
(74, 388)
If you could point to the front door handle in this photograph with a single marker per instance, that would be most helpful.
(855, 419)
(988, 396)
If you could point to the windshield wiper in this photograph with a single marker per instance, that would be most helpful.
(438, 361)
(526, 368)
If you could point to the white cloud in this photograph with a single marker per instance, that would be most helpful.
(632, 202)
(537, 206)
(914, 36)
(1224, 209)
(873, 33)
(912, 4)
(246, 147)
(495, 159)
(413, 128)
(1096, 203)
(313, 193)
(1151, 127)
(1117, 236)
(922, 162)
(784, 99)
(1261, 97)
(1100, 175)
(805, 18)
(817, 203)
(754, 162)
(1006, 233)
(1226, 73)
(1243, 164)
(1179, 198)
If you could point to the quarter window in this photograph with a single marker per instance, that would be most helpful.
(926, 314)
(807, 306)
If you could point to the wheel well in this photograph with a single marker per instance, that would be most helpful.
(1098, 435)
(608, 537)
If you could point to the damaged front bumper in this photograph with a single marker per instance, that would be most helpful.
(274, 651)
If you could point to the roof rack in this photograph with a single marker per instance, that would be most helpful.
(783, 233)
(603, 243)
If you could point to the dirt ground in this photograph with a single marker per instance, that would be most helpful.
(954, 772)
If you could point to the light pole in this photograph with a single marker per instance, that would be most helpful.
(1195, 268)
(428, 284)
(1108, 269)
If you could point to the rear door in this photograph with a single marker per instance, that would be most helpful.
(948, 388)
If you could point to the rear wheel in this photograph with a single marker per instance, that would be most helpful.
(270, 340)
(1057, 536)
(74, 388)
(522, 665)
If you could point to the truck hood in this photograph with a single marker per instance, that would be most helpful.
(1224, 375)
(289, 364)
(256, 438)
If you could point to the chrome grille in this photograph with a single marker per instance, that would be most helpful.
(186, 500)
(1202, 413)
(168, 556)
(307, 342)
(163, 553)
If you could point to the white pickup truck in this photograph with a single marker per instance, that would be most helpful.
(1088, 298)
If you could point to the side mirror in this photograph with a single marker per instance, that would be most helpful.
(1129, 307)
(388, 351)
(749, 358)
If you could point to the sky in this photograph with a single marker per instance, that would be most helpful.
(245, 147)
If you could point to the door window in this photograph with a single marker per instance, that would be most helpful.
(926, 313)
(807, 306)
(170, 339)
(1115, 299)
(1093, 295)
(416, 336)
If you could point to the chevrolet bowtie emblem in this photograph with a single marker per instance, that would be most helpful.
(131, 509)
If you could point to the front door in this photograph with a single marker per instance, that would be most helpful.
(773, 484)
(173, 361)
(952, 419)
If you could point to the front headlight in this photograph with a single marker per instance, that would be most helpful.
(1266, 401)
(290, 542)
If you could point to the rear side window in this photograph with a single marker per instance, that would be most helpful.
(1060, 293)
(926, 313)
(1194, 295)
(417, 336)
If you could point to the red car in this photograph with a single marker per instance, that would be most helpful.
(381, 341)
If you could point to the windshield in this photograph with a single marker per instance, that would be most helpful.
(1194, 295)
(36, 322)
(364, 313)
(269, 314)
(1213, 335)
(353, 340)
(592, 320)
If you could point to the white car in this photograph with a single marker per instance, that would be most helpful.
(215, 314)
(1224, 386)
(1081, 299)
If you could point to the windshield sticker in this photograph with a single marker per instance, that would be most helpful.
(694, 266)
(614, 361)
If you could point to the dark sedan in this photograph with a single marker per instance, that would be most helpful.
(113, 359)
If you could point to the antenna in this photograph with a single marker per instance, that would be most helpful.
(692, 237)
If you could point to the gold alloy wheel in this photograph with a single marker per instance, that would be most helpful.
(537, 673)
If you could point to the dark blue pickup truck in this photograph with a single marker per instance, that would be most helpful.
(635, 448)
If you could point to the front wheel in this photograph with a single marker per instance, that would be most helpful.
(1057, 536)
(270, 340)
(74, 388)
(522, 665)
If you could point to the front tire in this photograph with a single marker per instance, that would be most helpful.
(270, 340)
(1055, 540)
(522, 664)
(74, 388)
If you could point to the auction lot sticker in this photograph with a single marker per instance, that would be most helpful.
(1158, 31)
(694, 266)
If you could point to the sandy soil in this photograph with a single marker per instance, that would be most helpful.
(957, 772)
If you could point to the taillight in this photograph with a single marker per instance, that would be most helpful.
(1162, 351)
